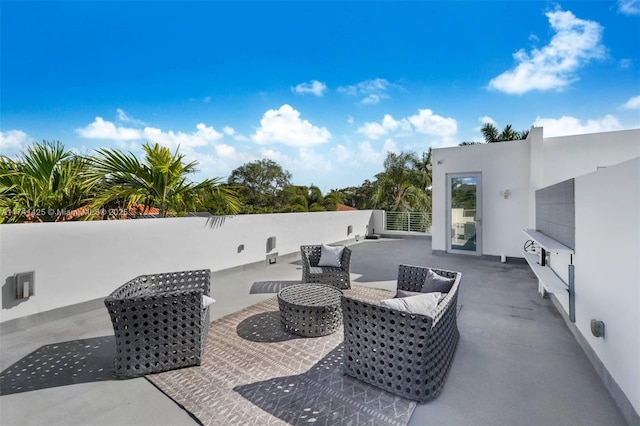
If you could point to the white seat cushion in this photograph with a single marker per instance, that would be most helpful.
(423, 304)
(331, 255)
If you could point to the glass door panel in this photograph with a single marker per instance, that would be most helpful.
(464, 213)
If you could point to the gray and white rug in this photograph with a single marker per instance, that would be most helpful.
(255, 373)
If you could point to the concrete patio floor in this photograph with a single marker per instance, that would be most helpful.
(517, 363)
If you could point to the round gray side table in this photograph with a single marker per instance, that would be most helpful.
(310, 310)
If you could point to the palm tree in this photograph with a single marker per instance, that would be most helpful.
(315, 199)
(491, 133)
(401, 186)
(160, 181)
(422, 165)
(45, 184)
(332, 199)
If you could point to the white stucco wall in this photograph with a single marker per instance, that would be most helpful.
(607, 218)
(570, 156)
(526, 166)
(607, 269)
(80, 261)
(503, 166)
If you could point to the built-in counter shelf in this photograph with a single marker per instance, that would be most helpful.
(549, 280)
(547, 277)
(547, 243)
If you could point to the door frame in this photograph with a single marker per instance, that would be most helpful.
(478, 221)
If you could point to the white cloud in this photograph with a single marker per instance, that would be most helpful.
(367, 154)
(314, 87)
(373, 99)
(342, 154)
(633, 103)
(307, 156)
(101, 129)
(567, 125)
(203, 136)
(207, 99)
(375, 130)
(225, 151)
(12, 141)
(625, 63)
(230, 131)
(276, 156)
(442, 129)
(428, 123)
(390, 146)
(370, 91)
(629, 7)
(285, 126)
(486, 119)
(125, 118)
(554, 67)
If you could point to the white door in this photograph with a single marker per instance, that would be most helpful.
(464, 213)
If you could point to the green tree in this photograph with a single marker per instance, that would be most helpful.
(491, 134)
(360, 197)
(332, 199)
(422, 164)
(293, 198)
(160, 181)
(315, 199)
(259, 184)
(401, 187)
(45, 184)
(296, 198)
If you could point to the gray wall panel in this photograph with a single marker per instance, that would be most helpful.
(555, 212)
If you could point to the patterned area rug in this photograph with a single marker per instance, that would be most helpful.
(255, 373)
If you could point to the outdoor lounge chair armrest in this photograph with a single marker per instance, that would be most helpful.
(411, 278)
(306, 263)
(184, 295)
(372, 313)
(345, 260)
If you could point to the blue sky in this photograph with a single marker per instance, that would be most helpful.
(325, 89)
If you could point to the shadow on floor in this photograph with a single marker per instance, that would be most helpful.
(61, 364)
(261, 287)
(265, 327)
(324, 395)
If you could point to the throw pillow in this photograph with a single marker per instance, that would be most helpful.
(434, 282)
(330, 255)
(423, 304)
(207, 301)
(405, 293)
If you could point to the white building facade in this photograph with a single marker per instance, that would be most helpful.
(597, 208)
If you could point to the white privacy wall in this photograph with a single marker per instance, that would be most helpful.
(566, 157)
(607, 269)
(523, 167)
(606, 168)
(76, 262)
(503, 166)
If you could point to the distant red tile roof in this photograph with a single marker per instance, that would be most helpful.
(345, 208)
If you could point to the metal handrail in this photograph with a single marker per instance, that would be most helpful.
(408, 221)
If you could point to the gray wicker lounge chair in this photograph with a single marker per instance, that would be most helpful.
(329, 275)
(159, 322)
(406, 354)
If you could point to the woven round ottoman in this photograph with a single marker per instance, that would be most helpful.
(310, 310)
